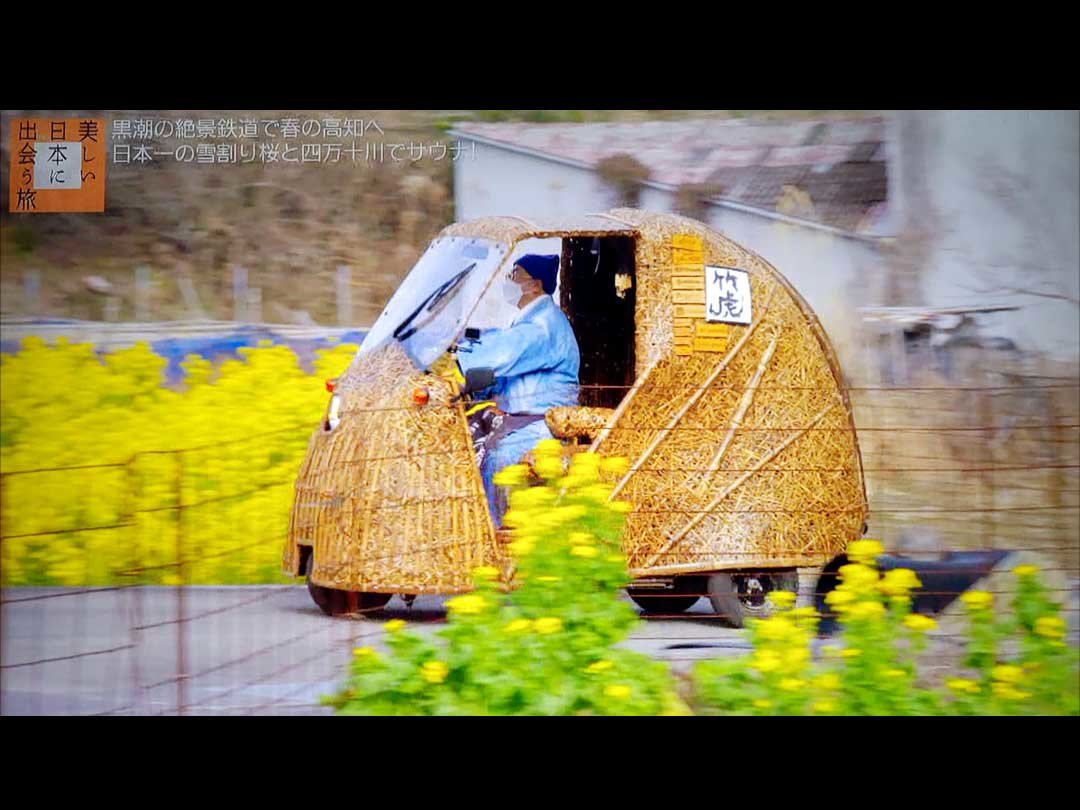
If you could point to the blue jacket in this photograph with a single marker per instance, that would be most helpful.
(535, 360)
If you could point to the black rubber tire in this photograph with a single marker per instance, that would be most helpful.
(680, 599)
(659, 605)
(334, 602)
(727, 601)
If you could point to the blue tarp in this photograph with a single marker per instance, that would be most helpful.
(176, 349)
(217, 346)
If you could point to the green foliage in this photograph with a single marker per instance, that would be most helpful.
(874, 671)
(544, 647)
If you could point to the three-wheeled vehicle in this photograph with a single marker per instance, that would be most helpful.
(700, 364)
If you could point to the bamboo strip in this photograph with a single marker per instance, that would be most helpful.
(732, 487)
(736, 420)
(691, 402)
(627, 401)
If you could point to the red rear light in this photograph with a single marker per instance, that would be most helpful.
(330, 385)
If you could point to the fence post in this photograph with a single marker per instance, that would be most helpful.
(989, 479)
(112, 309)
(32, 292)
(135, 602)
(181, 623)
(344, 295)
(240, 294)
(254, 304)
(191, 297)
(142, 292)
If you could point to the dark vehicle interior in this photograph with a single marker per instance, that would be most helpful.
(599, 287)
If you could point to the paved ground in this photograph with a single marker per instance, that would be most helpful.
(246, 650)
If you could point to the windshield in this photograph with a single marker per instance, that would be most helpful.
(429, 308)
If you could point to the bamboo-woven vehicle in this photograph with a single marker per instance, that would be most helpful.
(744, 462)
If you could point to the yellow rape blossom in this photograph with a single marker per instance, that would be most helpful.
(977, 600)
(964, 685)
(782, 599)
(521, 547)
(512, 475)
(615, 465)
(857, 577)
(919, 623)
(547, 467)
(866, 610)
(899, 582)
(468, 605)
(864, 551)
(548, 624)
(830, 681)
(434, 671)
(838, 600)
(1008, 673)
(549, 447)
(1008, 691)
(1052, 627)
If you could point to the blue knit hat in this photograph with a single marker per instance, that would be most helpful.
(544, 269)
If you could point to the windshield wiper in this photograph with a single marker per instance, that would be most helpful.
(441, 293)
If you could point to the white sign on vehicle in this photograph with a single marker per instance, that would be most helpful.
(727, 295)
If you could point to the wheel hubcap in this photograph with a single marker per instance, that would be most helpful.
(752, 592)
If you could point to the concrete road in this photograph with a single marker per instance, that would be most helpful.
(243, 649)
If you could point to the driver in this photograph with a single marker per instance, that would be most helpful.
(528, 367)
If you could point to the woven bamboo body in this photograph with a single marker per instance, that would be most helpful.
(391, 500)
(741, 442)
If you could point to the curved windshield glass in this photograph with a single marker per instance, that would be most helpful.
(430, 307)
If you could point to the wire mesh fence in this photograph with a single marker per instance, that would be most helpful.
(157, 589)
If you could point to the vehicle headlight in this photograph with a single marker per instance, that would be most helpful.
(332, 413)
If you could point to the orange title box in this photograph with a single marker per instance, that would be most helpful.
(57, 164)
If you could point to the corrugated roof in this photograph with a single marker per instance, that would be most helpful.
(839, 164)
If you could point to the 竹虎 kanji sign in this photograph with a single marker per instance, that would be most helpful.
(57, 164)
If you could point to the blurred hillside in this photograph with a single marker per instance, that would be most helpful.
(290, 224)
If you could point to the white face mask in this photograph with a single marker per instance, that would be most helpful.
(511, 292)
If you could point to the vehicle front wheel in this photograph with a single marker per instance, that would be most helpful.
(738, 597)
(335, 602)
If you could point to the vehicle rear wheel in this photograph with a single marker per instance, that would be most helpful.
(335, 602)
(679, 599)
(738, 597)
